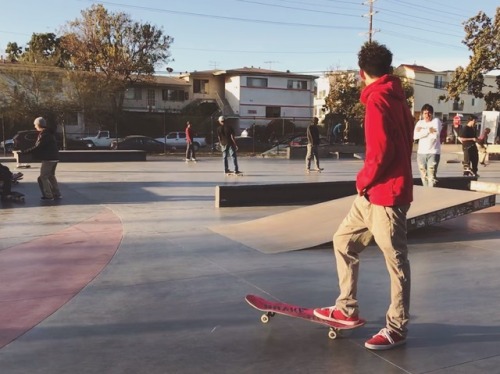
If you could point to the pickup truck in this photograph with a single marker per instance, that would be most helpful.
(177, 139)
(103, 139)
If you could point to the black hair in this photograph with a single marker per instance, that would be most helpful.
(427, 107)
(375, 59)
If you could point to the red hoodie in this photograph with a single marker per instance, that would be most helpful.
(386, 176)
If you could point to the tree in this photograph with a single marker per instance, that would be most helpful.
(344, 106)
(483, 40)
(33, 86)
(13, 51)
(114, 51)
(343, 103)
(45, 49)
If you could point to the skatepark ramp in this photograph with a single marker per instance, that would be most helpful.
(314, 225)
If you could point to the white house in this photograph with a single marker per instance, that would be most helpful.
(430, 86)
(256, 96)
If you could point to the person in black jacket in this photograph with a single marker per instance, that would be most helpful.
(228, 146)
(313, 145)
(46, 151)
(468, 139)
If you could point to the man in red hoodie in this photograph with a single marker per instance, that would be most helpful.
(385, 191)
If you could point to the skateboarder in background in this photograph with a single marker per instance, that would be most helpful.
(385, 191)
(45, 150)
(468, 140)
(225, 133)
(190, 152)
(313, 145)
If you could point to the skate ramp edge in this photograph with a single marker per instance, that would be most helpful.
(314, 225)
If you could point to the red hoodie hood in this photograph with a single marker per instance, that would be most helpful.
(385, 85)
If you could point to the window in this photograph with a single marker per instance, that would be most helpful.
(151, 98)
(439, 82)
(473, 103)
(133, 93)
(200, 86)
(294, 84)
(173, 95)
(256, 82)
(252, 111)
(273, 112)
(458, 105)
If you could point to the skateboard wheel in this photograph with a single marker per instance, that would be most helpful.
(264, 318)
(332, 334)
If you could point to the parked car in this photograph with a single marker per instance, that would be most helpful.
(177, 139)
(139, 143)
(7, 145)
(27, 138)
(102, 139)
(301, 141)
(248, 144)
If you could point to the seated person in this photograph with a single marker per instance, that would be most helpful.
(6, 179)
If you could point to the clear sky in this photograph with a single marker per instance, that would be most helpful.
(303, 36)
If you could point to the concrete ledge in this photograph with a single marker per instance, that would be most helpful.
(281, 194)
(327, 151)
(493, 148)
(89, 156)
(305, 193)
(488, 187)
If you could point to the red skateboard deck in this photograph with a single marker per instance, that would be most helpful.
(275, 307)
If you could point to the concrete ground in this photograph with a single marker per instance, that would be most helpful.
(124, 276)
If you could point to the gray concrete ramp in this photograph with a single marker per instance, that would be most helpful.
(314, 225)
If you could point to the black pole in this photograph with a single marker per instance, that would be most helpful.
(165, 132)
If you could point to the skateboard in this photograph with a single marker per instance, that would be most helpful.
(16, 177)
(240, 174)
(14, 196)
(314, 170)
(189, 160)
(271, 308)
(468, 172)
(23, 166)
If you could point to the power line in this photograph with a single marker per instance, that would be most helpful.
(239, 19)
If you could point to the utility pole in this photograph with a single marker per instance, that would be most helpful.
(270, 63)
(371, 31)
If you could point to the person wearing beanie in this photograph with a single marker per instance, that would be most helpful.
(46, 151)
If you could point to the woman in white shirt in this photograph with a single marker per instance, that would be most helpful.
(427, 132)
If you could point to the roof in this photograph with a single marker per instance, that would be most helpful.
(259, 71)
(417, 68)
(251, 71)
(170, 81)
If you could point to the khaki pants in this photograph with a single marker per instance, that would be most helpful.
(483, 154)
(47, 179)
(387, 225)
(312, 152)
